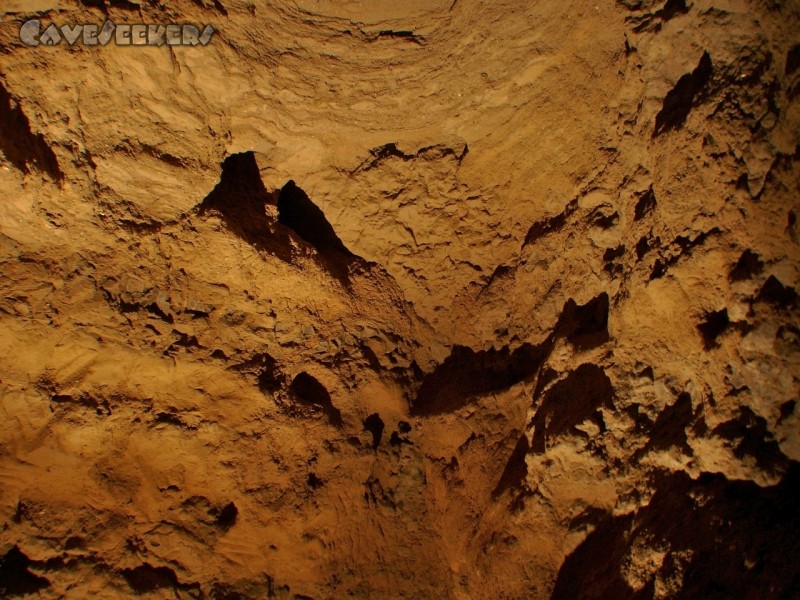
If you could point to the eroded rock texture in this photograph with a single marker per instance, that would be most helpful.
(426, 299)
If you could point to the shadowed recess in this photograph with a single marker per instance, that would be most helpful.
(298, 212)
(22, 148)
(266, 371)
(679, 100)
(748, 265)
(467, 373)
(645, 205)
(778, 295)
(549, 225)
(669, 430)
(750, 436)
(307, 390)
(15, 577)
(516, 469)
(570, 402)
(240, 199)
(147, 578)
(723, 539)
(713, 325)
(585, 325)
(374, 424)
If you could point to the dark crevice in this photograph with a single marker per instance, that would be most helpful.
(787, 410)
(314, 482)
(752, 438)
(24, 149)
(516, 469)
(147, 578)
(549, 225)
(264, 368)
(612, 266)
(671, 9)
(398, 440)
(748, 265)
(778, 295)
(306, 390)
(792, 60)
(670, 427)
(403, 35)
(654, 21)
(16, 578)
(585, 325)
(390, 150)
(569, 402)
(645, 205)
(681, 246)
(218, 6)
(374, 424)
(104, 5)
(467, 373)
(713, 325)
(679, 100)
(643, 246)
(225, 517)
(604, 216)
(240, 199)
(723, 539)
(297, 212)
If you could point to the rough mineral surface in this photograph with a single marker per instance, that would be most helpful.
(424, 299)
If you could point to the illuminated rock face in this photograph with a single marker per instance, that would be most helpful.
(441, 299)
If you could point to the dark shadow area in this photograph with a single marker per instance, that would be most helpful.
(516, 470)
(723, 539)
(225, 517)
(585, 325)
(240, 199)
(787, 410)
(645, 205)
(297, 212)
(104, 5)
(147, 578)
(654, 21)
(306, 390)
(266, 371)
(570, 402)
(792, 60)
(670, 427)
(467, 373)
(549, 225)
(714, 324)
(751, 437)
(612, 265)
(16, 578)
(603, 216)
(314, 482)
(374, 424)
(778, 295)
(21, 147)
(680, 100)
(682, 246)
(748, 265)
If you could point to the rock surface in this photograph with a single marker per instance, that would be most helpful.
(424, 299)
